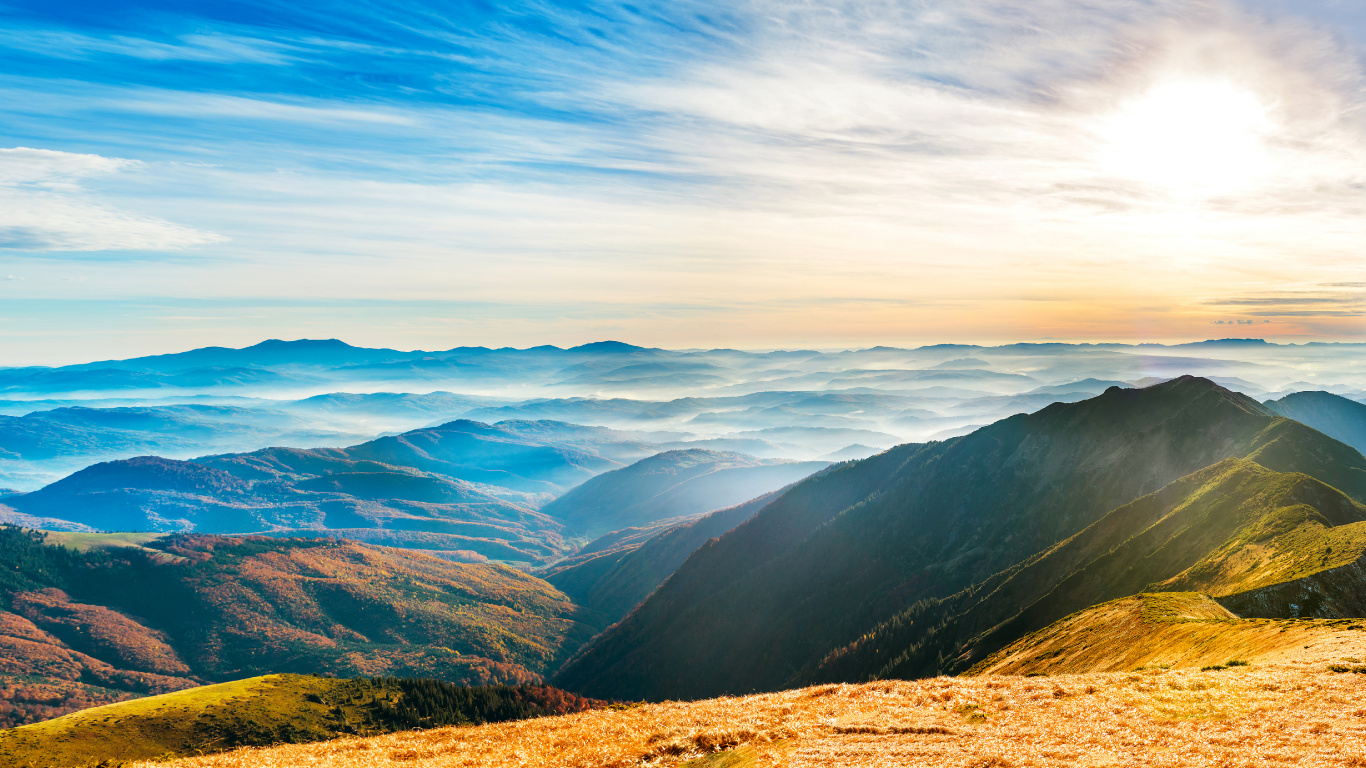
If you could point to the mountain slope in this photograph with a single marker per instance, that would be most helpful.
(1231, 528)
(461, 449)
(1333, 415)
(272, 709)
(616, 581)
(668, 485)
(1169, 630)
(427, 482)
(186, 608)
(850, 548)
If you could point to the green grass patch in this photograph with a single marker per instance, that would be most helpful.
(268, 710)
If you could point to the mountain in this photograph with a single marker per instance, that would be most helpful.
(272, 709)
(158, 614)
(483, 453)
(1232, 530)
(317, 353)
(854, 546)
(1333, 415)
(466, 487)
(670, 485)
(153, 494)
(615, 577)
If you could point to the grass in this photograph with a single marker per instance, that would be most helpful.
(263, 710)
(1167, 630)
(156, 725)
(1290, 711)
(84, 542)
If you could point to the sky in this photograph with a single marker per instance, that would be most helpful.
(755, 174)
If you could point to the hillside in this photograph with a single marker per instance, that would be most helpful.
(1333, 415)
(1232, 530)
(111, 622)
(1169, 630)
(1291, 709)
(668, 485)
(267, 710)
(850, 548)
(617, 580)
(462, 487)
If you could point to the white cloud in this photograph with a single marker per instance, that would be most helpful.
(44, 207)
(216, 48)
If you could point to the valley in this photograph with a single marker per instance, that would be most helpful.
(1170, 527)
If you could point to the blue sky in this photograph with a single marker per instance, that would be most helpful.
(426, 175)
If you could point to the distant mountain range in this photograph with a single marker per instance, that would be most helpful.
(793, 404)
(466, 490)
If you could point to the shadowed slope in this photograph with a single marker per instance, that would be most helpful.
(1227, 529)
(668, 485)
(1333, 415)
(615, 582)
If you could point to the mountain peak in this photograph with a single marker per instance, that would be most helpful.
(301, 344)
(607, 347)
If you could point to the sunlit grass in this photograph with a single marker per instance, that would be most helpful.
(1292, 711)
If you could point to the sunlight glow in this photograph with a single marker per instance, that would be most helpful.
(1190, 138)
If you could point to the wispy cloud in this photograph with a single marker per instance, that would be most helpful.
(43, 207)
(705, 154)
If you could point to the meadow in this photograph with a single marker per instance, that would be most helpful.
(1288, 707)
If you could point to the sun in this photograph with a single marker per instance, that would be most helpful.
(1189, 138)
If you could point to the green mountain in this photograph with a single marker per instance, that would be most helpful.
(673, 484)
(853, 547)
(149, 615)
(1333, 415)
(1231, 530)
(267, 710)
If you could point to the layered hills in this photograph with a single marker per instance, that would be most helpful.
(159, 614)
(845, 551)
(463, 488)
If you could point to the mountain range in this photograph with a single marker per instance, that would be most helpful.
(879, 547)
(652, 559)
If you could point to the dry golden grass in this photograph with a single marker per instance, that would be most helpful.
(1287, 710)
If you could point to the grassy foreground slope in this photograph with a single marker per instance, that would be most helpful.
(268, 710)
(1293, 711)
(1170, 630)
